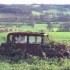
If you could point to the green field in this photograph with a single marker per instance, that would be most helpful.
(60, 37)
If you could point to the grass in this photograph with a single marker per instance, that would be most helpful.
(35, 63)
(36, 13)
(3, 15)
(36, 28)
(60, 35)
(3, 37)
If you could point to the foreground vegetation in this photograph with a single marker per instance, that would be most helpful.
(35, 63)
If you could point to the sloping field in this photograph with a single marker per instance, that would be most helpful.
(63, 37)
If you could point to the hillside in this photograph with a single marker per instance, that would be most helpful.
(40, 12)
(23, 14)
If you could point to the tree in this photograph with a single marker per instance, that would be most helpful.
(65, 27)
(49, 26)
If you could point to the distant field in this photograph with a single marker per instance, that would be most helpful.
(60, 36)
(36, 13)
(5, 15)
(37, 28)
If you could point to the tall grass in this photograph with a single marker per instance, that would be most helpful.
(35, 63)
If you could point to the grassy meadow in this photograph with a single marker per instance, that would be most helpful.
(35, 63)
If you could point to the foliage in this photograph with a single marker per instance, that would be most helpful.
(35, 63)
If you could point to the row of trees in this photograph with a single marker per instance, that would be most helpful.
(52, 17)
(62, 27)
(65, 27)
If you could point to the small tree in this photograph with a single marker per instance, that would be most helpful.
(49, 26)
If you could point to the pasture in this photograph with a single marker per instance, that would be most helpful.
(63, 37)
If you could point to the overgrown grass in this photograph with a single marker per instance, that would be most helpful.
(35, 63)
